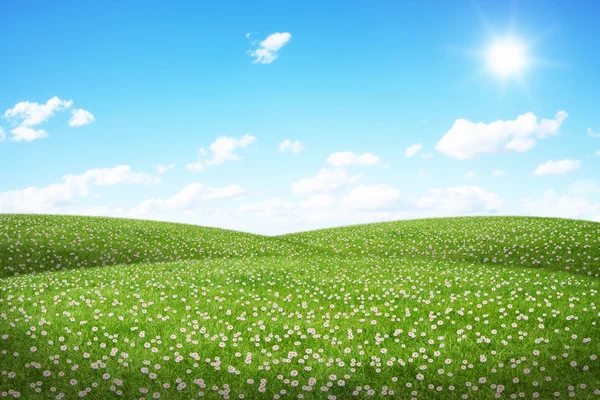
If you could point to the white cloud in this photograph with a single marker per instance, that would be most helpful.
(553, 205)
(579, 188)
(221, 150)
(192, 195)
(26, 115)
(469, 174)
(347, 158)
(200, 192)
(459, 200)
(27, 134)
(557, 167)
(116, 175)
(277, 215)
(326, 180)
(35, 113)
(268, 49)
(40, 200)
(269, 208)
(188, 201)
(52, 197)
(426, 155)
(592, 133)
(81, 117)
(598, 152)
(371, 197)
(293, 146)
(161, 168)
(2, 134)
(363, 204)
(498, 172)
(319, 201)
(197, 166)
(467, 139)
(412, 150)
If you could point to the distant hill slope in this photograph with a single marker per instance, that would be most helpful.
(556, 244)
(38, 243)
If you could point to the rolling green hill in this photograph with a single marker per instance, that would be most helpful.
(38, 243)
(548, 243)
(475, 308)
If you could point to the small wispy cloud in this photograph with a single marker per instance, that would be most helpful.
(348, 158)
(412, 150)
(80, 117)
(268, 50)
(469, 174)
(592, 133)
(221, 150)
(161, 168)
(557, 167)
(294, 146)
(371, 197)
(326, 180)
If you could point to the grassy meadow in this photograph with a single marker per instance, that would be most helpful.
(453, 308)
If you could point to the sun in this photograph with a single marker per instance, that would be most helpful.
(507, 58)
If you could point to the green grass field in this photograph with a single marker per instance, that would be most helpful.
(478, 308)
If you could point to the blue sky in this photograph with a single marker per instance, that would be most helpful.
(95, 96)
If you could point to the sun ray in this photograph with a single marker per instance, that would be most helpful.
(542, 36)
(512, 20)
(472, 78)
(544, 62)
(465, 51)
(528, 94)
(482, 18)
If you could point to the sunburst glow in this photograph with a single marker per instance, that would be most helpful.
(507, 58)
